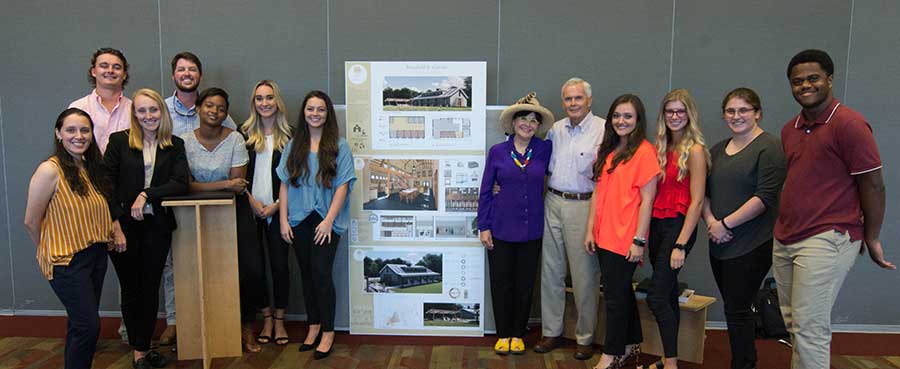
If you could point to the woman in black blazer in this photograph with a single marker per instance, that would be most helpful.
(267, 131)
(145, 163)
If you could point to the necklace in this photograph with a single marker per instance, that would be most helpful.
(520, 164)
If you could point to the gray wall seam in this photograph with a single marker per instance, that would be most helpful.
(499, 26)
(161, 65)
(849, 45)
(328, 50)
(672, 49)
(12, 274)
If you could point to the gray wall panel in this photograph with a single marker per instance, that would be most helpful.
(871, 90)
(403, 30)
(52, 43)
(722, 45)
(280, 40)
(544, 43)
(528, 45)
(6, 270)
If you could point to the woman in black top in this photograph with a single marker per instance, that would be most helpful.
(742, 190)
(146, 163)
(267, 131)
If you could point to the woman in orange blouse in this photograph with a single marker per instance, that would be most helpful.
(68, 219)
(626, 173)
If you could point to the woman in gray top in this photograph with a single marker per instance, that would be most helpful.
(742, 192)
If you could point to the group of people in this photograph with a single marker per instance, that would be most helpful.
(806, 203)
(116, 158)
(593, 196)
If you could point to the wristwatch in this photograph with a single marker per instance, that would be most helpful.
(679, 246)
(640, 241)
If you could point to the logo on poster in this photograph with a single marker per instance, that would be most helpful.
(357, 74)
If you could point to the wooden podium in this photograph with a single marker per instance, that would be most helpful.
(204, 252)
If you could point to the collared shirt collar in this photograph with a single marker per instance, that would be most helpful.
(180, 109)
(823, 118)
(99, 100)
(583, 125)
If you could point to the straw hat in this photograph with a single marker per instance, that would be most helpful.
(527, 103)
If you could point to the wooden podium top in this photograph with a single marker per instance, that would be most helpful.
(202, 198)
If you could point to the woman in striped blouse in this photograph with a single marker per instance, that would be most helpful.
(68, 219)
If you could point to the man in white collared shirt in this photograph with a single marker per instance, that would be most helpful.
(576, 139)
(186, 73)
(107, 105)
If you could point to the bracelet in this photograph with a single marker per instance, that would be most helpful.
(727, 228)
(144, 195)
(679, 246)
(639, 241)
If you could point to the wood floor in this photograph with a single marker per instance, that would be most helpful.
(47, 353)
(43, 349)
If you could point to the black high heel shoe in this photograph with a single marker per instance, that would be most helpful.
(319, 355)
(304, 347)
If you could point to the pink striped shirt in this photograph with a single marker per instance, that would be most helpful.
(105, 122)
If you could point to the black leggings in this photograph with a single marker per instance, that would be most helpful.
(623, 323)
(738, 280)
(250, 260)
(513, 270)
(139, 270)
(663, 295)
(316, 265)
(270, 233)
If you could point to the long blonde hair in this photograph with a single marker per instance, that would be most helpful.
(253, 128)
(692, 134)
(163, 133)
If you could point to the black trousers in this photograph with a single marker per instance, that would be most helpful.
(513, 268)
(250, 261)
(139, 270)
(663, 295)
(623, 323)
(78, 286)
(739, 280)
(316, 265)
(270, 233)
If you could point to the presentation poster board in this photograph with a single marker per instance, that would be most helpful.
(417, 131)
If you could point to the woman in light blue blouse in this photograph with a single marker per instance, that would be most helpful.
(316, 178)
(218, 161)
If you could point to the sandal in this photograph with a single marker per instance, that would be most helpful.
(265, 338)
(281, 341)
(248, 342)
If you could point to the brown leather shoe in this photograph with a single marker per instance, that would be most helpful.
(168, 336)
(546, 345)
(584, 352)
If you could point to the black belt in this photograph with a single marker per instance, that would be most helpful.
(572, 195)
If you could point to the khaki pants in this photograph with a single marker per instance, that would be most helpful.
(562, 250)
(809, 274)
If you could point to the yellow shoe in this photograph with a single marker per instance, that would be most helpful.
(502, 346)
(517, 346)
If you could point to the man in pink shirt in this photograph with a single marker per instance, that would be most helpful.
(106, 104)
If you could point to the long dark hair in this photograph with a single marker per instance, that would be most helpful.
(297, 165)
(93, 160)
(611, 139)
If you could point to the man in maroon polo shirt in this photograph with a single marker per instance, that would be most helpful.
(831, 206)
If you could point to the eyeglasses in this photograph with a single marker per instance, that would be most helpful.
(742, 111)
(681, 113)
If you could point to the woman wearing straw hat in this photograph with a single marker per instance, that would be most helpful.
(511, 222)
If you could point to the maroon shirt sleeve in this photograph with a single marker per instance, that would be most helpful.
(857, 146)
